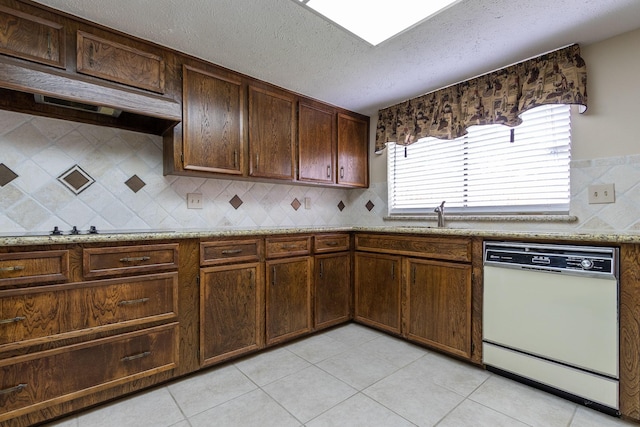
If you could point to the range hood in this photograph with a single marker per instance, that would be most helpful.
(22, 83)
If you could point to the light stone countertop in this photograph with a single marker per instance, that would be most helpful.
(134, 236)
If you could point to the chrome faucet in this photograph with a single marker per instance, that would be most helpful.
(440, 211)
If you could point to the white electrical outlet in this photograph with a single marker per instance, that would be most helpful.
(602, 193)
(307, 202)
(194, 201)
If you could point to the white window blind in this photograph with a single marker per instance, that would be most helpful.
(493, 169)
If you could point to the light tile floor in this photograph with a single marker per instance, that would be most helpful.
(348, 376)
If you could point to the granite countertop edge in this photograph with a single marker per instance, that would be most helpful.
(583, 236)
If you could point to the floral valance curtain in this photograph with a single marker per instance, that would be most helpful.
(559, 77)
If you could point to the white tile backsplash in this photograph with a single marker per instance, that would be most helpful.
(40, 149)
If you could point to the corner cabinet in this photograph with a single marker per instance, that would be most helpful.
(272, 130)
(353, 151)
(212, 122)
(332, 281)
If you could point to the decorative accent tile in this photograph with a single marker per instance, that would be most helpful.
(369, 205)
(76, 180)
(6, 175)
(135, 183)
(296, 204)
(341, 206)
(236, 202)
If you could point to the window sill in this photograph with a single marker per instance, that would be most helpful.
(487, 218)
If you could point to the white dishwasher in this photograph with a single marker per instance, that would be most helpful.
(550, 318)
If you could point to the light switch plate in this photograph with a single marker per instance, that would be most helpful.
(601, 193)
(194, 201)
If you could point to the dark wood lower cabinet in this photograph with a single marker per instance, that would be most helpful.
(438, 305)
(377, 291)
(332, 289)
(288, 298)
(231, 311)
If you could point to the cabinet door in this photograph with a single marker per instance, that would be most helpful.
(231, 311)
(31, 37)
(316, 147)
(212, 121)
(271, 134)
(288, 298)
(353, 151)
(377, 291)
(113, 61)
(332, 289)
(438, 308)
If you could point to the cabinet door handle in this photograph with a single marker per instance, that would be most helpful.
(231, 251)
(13, 268)
(413, 274)
(136, 356)
(12, 320)
(328, 171)
(133, 301)
(341, 171)
(257, 160)
(393, 271)
(135, 258)
(13, 389)
(273, 275)
(235, 158)
(321, 268)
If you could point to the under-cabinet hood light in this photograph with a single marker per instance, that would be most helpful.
(48, 100)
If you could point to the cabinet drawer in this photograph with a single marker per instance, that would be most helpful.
(212, 253)
(113, 61)
(123, 260)
(31, 37)
(63, 311)
(287, 246)
(446, 248)
(38, 380)
(331, 243)
(34, 267)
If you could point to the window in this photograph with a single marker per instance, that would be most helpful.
(493, 169)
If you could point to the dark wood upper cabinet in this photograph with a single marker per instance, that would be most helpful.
(272, 133)
(353, 151)
(116, 62)
(31, 37)
(212, 122)
(316, 144)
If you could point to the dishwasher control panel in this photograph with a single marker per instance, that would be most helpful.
(587, 259)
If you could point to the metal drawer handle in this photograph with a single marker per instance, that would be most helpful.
(13, 268)
(332, 243)
(135, 356)
(133, 301)
(14, 320)
(231, 251)
(135, 258)
(291, 246)
(13, 389)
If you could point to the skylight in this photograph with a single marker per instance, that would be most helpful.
(377, 20)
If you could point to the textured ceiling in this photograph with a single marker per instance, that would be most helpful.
(283, 43)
